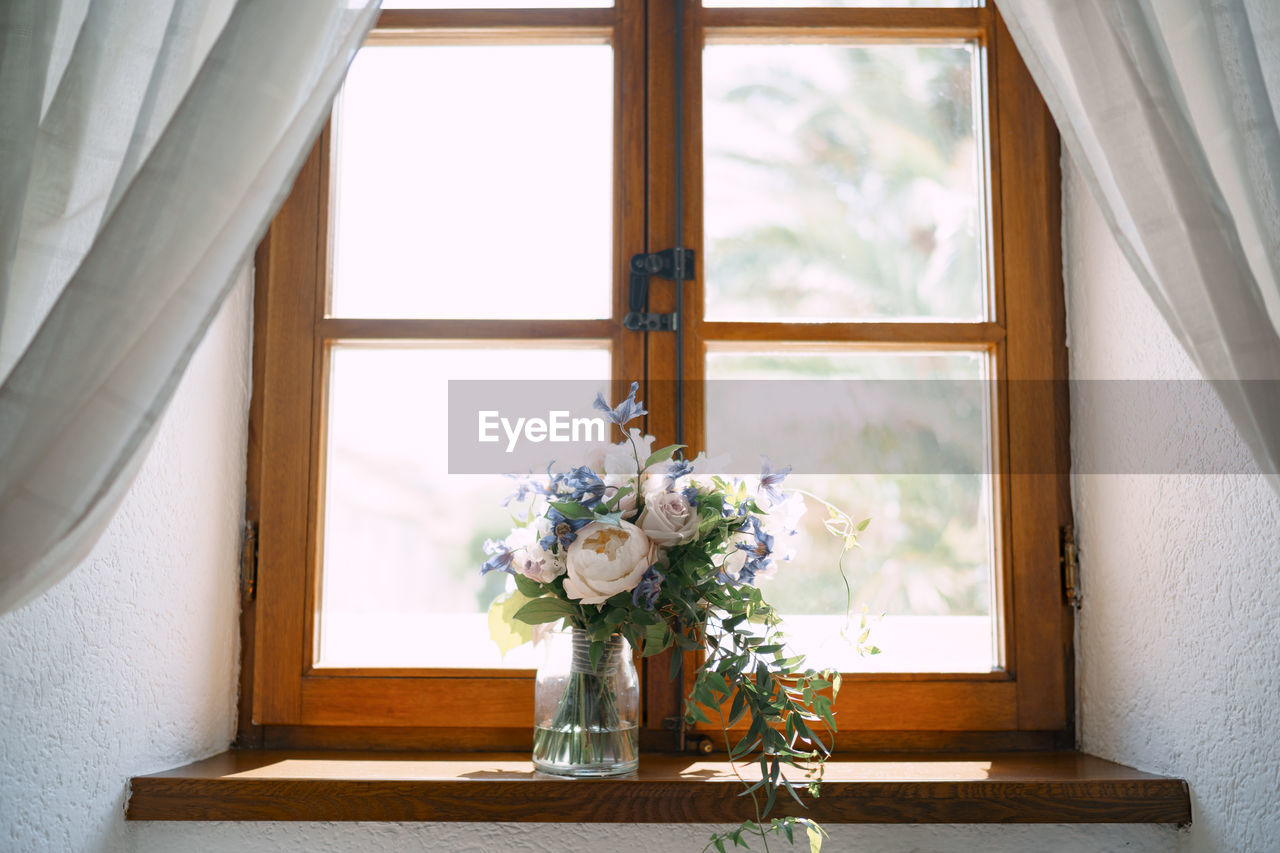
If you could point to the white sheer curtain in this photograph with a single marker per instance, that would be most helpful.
(1170, 108)
(144, 145)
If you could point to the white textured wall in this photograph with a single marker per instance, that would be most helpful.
(129, 666)
(1179, 637)
(632, 838)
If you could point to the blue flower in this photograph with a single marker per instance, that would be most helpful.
(553, 481)
(764, 542)
(584, 485)
(646, 592)
(626, 411)
(691, 495)
(500, 559)
(563, 529)
(759, 553)
(769, 480)
(677, 469)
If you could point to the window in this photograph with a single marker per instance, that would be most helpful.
(469, 213)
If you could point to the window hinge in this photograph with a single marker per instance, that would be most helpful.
(249, 561)
(669, 263)
(1070, 566)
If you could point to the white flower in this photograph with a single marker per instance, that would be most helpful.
(786, 514)
(538, 564)
(621, 459)
(781, 523)
(699, 476)
(594, 458)
(521, 537)
(531, 559)
(605, 560)
(668, 518)
(736, 558)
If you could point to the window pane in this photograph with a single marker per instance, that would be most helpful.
(495, 4)
(825, 3)
(843, 183)
(467, 175)
(926, 560)
(400, 582)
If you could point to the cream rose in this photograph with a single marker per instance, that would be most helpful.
(668, 518)
(605, 560)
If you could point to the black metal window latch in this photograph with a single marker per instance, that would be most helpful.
(669, 263)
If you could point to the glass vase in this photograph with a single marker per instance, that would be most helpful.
(586, 718)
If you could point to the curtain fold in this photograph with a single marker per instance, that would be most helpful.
(166, 135)
(1169, 107)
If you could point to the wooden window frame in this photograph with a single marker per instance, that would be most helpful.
(287, 703)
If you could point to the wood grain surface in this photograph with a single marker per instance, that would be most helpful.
(1060, 787)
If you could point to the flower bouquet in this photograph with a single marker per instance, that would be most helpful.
(639, 544)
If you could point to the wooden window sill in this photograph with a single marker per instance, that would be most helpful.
(257, 785)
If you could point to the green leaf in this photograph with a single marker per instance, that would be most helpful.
(815, 838)
(656, 639)
(622, 599)
(677, 663)
(791, 789)
(663, 454)
(743, 748)
(529, 587)
(822, 706)
(595, 652)
(685, 643)
(695, 714)
(738, 708)
(612, 503)
(572, 509)
(613, 519)
(505, 632)
(546, 609)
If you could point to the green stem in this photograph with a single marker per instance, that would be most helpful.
(587, 728)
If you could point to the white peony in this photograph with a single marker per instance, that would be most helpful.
(605, 560)
(668, 518)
